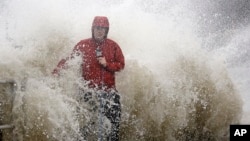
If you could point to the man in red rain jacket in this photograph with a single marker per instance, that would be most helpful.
(101, 58)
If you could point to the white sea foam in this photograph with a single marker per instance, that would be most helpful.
(171, 89)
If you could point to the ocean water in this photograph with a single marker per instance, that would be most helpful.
(186, 75)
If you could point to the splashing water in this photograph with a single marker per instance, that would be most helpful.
(171, 88)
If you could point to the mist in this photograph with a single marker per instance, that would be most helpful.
(185, 74)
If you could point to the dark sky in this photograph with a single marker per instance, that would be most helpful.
(217, 15)
(220, 21)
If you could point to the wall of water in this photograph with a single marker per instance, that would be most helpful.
(184, 76)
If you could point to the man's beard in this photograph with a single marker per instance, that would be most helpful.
(100, 39)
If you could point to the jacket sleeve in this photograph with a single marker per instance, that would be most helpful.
(118, 63)
(60, 65)
(63, 63)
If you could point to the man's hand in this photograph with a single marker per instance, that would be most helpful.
(102, 61)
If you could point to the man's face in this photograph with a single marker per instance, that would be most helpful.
(99, 33)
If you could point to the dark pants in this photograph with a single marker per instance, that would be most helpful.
(109, 106)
